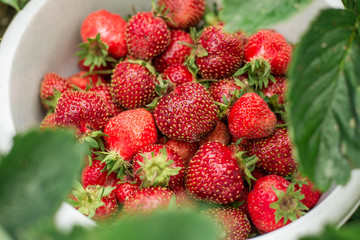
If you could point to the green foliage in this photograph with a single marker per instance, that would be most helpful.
(16, 4)
(323, 98)
(251, 16)
(348, 232)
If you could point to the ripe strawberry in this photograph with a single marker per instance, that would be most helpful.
(178, 74)
(241, 202)
(103, 90)
(48, 122)
(176, 52)
(147, 200)
(94, 175)
(223, 53)
(213, 174)
(111, 27)
(273, 203)
(223, 90)
(251, 117)
(158, 165)
(127, 133)
(146, 35)
(187, 114)
(183, 14)
(232, 223)
(124, 190)
(82, 81)
(308, 189)
(84, 111)
(51, 82)
(219, 134)
(279, 87)
(185, 149)
(274, 153)
(132, 85)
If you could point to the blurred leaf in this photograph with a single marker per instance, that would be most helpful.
(353, 5)
(324, 98)
(12, 3)
(3, 234)
(347, 232)
(36, 176)
(251, 16)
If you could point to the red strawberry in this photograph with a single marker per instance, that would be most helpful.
(124, 190)
(49, 83)
(223, 90)
(279, 87)
(273, 203)
(213, 174)
(219, 134)
(241, 202)
(232, 223)
(274, 153)
(85, 111)
(94, 174)
(308, 189)
(183, 13)
(178, 74)
(81, 81)
(132, 85)
(147, 200)
(111, 27)
(103, 90)
(185, 149)
(223, 53)
(251, 117)
(48, 122)
(127, 133)
(158, 165)
(187, 114)
(176, 52)
(146, 35)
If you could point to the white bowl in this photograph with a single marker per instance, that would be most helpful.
(43, 37)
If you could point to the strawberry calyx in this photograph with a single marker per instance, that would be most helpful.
(246, 164)
(93, 139)
(114, 163)
(156, 170)
(289, 205)
(88, 199)
(258, 71)
(52, 100)
(94, 52)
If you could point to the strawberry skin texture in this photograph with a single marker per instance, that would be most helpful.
(223, 88)
(94, 175)
(48, 122)
(277, 88)
(103, 90)
(111, 28)
(270, 46)
(175, 53)
(259, 200)
(50, 82)
(124, 190)
(187, 114)
(85, 111)
(251, 117)
(224, 53)
(109, 210)
(213, 175)
(146, 36)
(274, 153)
(132, 85)
(232, 223)
(79, 80)
(312, 195)
(219, 134)
(183, 13)
(129, 131)
(178, 74)
(185, 149)
(147, 200)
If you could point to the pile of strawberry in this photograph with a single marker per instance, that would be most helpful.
(178, 112)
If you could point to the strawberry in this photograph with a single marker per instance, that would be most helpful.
(103, 90)
(213, 174)
(111, 28)
(52, 85)
(158, 165)
(308, 189)
(219, 54)
(147, 200)
(81, 81)
(223, 90)
(176, 52)
(185, 149)
(273, 203)
(132, 85)
(48, 122)
(274, 153)
(251, 117)
(266, 52)
(183, 14)
(279, 87)
(124, 190)
(84, 111)
(178, 74)
(187, 114)
(94, 175)
(219, 134)
(127, 133)
(146, 35)
(241, 202)
(232, 223)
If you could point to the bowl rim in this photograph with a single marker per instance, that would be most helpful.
(347, 196)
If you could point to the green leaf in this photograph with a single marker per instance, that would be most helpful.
(251, 16)
(347, 232)
(353, 5)
(12, 3)
(36, 176)
(324, 98)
